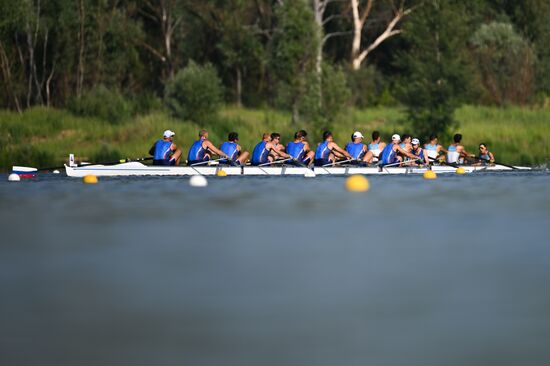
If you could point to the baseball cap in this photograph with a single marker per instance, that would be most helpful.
(415, 142)
(396, 137)
(357, 134)
(169, 133)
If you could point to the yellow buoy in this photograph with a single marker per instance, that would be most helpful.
(460, 170)
(430, 174)
(357, 183)
(221, 173)
(90, 179)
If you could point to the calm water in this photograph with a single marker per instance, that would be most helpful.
(276, 271)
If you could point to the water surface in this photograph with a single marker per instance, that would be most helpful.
(276, 271)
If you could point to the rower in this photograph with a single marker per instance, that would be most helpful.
(433, 149)
(164, 151)
(233, 150)
(276, 141)
(393, 153)
(202, 150)
(456, 152)
(374, 148)
(419, 152)
(356, 148)
(264, 152)
(485, 155)
(299, 149)
(328, 151)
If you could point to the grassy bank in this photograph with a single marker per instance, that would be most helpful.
(43, 137)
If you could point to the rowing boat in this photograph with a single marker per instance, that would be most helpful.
(139, 169)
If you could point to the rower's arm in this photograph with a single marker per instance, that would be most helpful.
(340, 150)
(279, 153)
(210, 146)
(441, 149)
(406, 153)
(152, 150)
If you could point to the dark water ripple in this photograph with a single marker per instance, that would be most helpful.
(273, 271)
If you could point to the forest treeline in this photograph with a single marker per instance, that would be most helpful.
(311, 57)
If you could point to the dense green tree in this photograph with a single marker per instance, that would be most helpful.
(435, 66)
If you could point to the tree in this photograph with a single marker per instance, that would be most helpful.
(506, 63)
(435, 65)
(294, 52)
(360, 15)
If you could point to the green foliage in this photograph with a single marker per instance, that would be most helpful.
(106, 154)
(334, 95)
(195, 93)
(369, 88)
(294, 50)
(436, 72)
(104, 103)
(506, 63)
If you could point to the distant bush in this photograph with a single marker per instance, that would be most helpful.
(506, 63)
(369, 87)
(106, 154)
(196, 93)
(104, 103)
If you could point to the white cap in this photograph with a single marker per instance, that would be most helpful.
(396, 137)
(357, 135)
(169, 133)
(415, 141)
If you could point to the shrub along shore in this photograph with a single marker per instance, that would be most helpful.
(43, 137)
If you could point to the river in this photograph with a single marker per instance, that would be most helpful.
(276, 271)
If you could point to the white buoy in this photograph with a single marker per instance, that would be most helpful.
(198, 181)
(55, 171)
(14, 177)
(310, 174)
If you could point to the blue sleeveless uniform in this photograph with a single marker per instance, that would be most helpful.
(373, 147)
(419, 152)
(388, 156)
(260, 154)
(296, 150)
(229, 148)
(196, 153)
(355, 149)
(322, 153)
(162, 153)
(486, 157)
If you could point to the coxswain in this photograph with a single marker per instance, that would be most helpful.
(419, 152)
(164, 151)
(264, 152)
(328, 151)
(202, 150)
(374, 148)
(433, 149)
(299, 149)
(356, 148)
(233, 150)
(485, 155)
(456, 152)
(393, 153)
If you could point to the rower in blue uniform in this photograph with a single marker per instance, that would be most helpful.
(374, 148)
(233, 150)
(299, 149)
(328, 151)
(389, 155)
(356, 148)
(264, 152)
(164, 151)
(201, 151)
(419, 152)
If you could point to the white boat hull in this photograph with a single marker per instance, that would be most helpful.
(139, 169)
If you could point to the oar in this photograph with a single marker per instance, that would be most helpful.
(401, 162)
(495, 162)
(276, 162)
(208, 161)
(31, 169)
(339, 162)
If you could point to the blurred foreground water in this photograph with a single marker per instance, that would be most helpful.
(276, 271)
